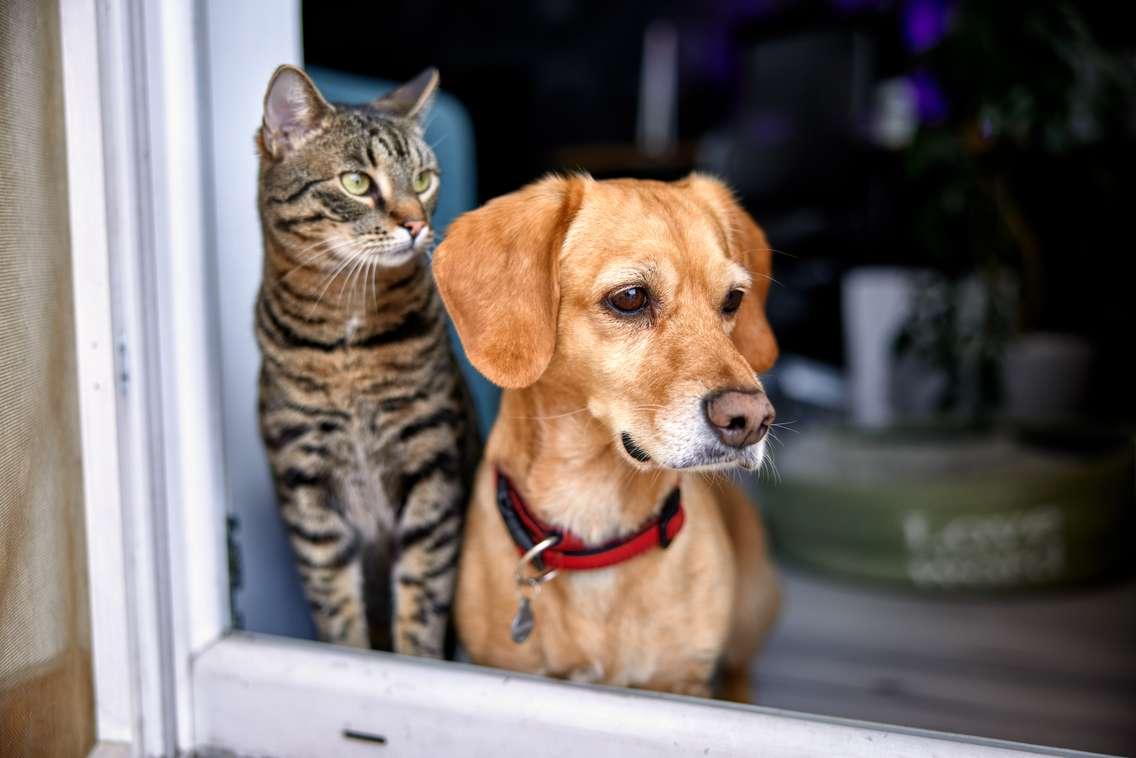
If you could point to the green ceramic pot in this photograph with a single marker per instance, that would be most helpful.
(953, 510)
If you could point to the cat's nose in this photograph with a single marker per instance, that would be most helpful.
(414, 227)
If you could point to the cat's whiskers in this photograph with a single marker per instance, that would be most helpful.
(336, 246)
(364, 276)
(357, 277)
(371, 275)
(321, 243)
(315, 250)
(367, 280)
(362, 258)
(331, 279)
(343, 286)
(306, 260)
(364, 284)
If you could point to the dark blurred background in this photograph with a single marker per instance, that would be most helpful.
(951, 135)
(949, 187)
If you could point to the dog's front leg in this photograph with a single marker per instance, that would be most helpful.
(689, 678)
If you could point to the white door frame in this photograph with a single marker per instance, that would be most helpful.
(137, 164)
(169, 678)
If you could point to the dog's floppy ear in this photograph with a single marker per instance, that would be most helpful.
(752, 334)
(497, 271)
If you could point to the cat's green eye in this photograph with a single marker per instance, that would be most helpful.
(356, 183)
(423, 181)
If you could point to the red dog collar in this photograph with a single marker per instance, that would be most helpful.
(572, 553)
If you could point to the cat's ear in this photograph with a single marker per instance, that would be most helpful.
(498, 271)
(293, 110)
(413, 99)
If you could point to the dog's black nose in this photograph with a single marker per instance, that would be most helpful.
(739, 418)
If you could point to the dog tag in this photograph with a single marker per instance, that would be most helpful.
(523, 622)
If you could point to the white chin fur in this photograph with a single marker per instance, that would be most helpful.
(395, 252)
(705, 456)
(423, 240)
(392, 258)
(688, 444)
(749, 458)
(406, 251)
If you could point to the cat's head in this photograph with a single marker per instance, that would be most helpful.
(341, 184)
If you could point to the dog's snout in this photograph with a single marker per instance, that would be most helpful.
(739, 418)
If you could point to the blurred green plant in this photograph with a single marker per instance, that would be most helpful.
(1033, 111)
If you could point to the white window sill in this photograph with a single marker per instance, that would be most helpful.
(281, 697)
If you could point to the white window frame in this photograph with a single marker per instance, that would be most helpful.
(169, 676)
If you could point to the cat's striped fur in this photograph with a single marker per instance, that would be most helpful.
(362, 409)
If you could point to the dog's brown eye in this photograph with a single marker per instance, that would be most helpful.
(628, 301)
(732, 302)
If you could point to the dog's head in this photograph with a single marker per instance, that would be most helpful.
(643, 300)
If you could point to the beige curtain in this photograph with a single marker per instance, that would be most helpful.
(46, 704)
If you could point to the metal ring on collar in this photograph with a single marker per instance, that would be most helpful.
(532, 554)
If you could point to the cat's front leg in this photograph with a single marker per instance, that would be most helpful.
(328, 556)
(429, 538)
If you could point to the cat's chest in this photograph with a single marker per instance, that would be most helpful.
(359, 377)
(360, 442)
(361, 464)
(352, 328)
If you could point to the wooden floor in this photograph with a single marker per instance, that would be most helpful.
(1056, 669)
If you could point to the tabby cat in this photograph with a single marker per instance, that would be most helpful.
(362, 409)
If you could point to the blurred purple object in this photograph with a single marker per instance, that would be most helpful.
(708, 50)
(769, 128)
(929, 98)
(855, 6)
(925, 22)
(986, 127)
(745, 9)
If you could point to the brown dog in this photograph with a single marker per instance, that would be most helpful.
(626, 320)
